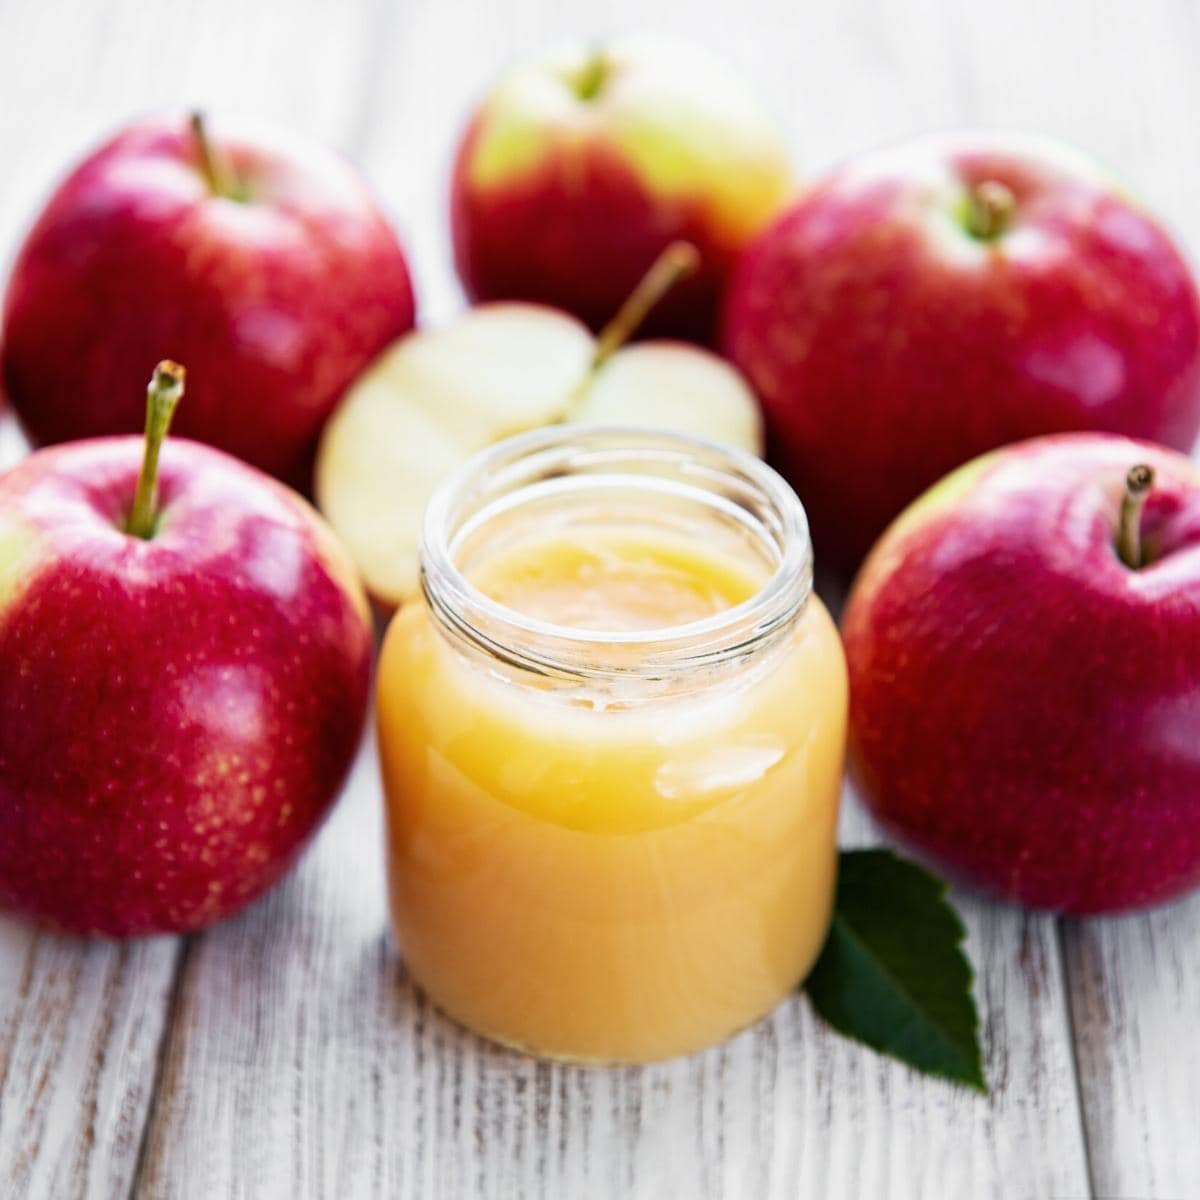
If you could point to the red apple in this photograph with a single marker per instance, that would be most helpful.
(1024, 653)
(924, 304)
(258, 257)
(581, 166)
(183, 683)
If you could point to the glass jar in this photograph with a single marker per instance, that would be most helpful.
(612, 736)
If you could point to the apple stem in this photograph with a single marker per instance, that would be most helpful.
(217, 171)
(676, 262)
(1138, 483)
(990, 209)
(166, 387)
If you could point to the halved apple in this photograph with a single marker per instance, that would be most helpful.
(670, 385)
(437, 396)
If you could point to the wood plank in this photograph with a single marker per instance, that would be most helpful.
(1135, 993)
(80, 1027)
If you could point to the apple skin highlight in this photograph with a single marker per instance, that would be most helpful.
(278, 298)
(1024, 706)
(177, 714)
(888, 344)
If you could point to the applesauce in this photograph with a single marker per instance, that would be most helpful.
(612, 737)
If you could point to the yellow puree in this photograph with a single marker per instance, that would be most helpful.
(602, 881)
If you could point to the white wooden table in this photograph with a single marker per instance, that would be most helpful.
(285, 1053)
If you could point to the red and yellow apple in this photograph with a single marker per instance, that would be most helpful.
(256, 256)
(184, 663)
(582, 165)
(1024, 654)
(924, 304)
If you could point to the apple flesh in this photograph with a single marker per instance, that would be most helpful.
(440, 395)
(1024, 703)
(177, 712)
(924, 304)
(260, 258)
(581, 166)
(676, 386)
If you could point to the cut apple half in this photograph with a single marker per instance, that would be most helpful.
(437, 396)
(677, 386)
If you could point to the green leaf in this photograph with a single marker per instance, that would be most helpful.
(893, 973)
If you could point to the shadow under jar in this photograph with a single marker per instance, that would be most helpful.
(612, 735)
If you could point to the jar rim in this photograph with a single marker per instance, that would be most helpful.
(575, 451)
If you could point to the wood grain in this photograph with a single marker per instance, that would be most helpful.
(80, 1028)
(286, 1053)
(1135, 995)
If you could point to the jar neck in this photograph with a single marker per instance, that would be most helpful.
(568, 477)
